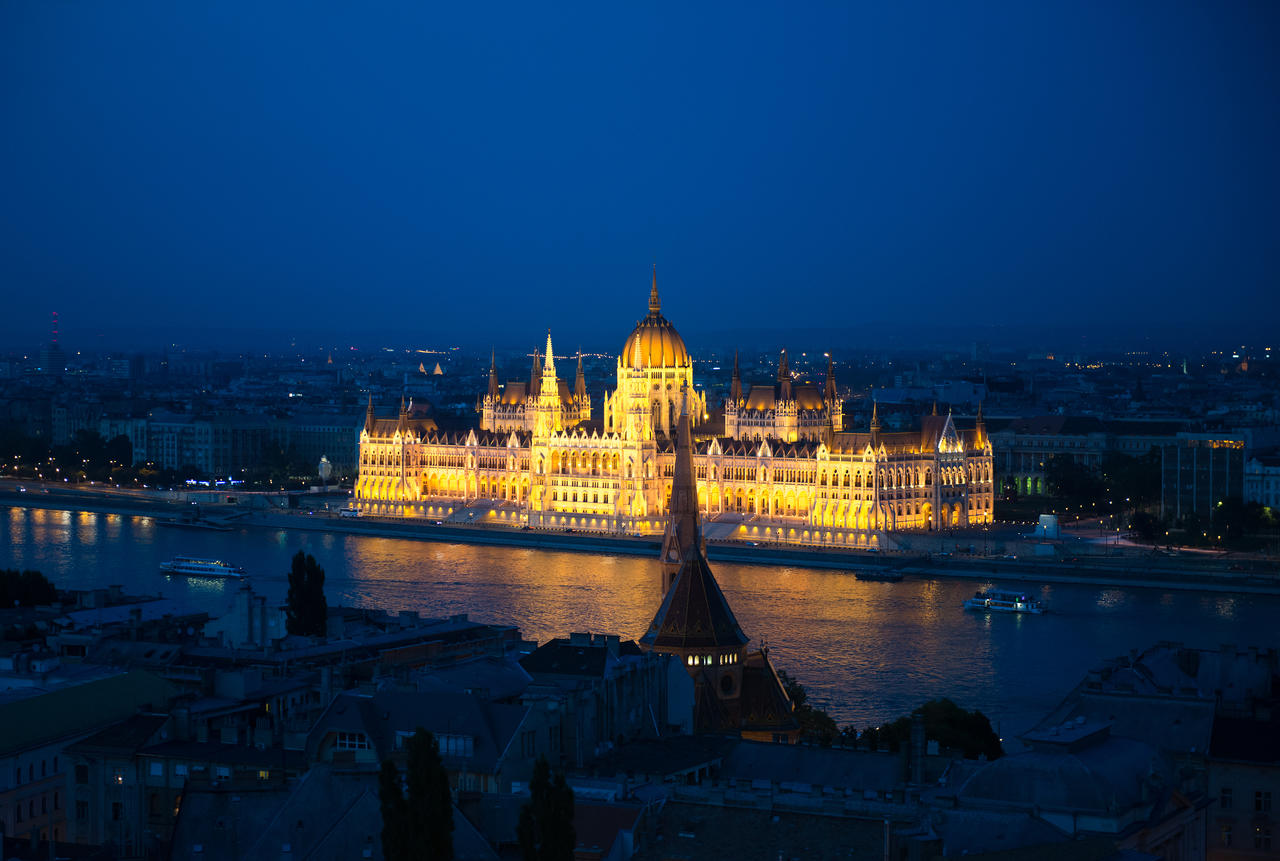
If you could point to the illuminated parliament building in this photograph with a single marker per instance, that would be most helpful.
(782, 468)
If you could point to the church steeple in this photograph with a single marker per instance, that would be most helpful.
(735, 388)
(694, 613)
(493, 378)
(684, 525)
(655, 305)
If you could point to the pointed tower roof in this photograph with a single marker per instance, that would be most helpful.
(655, 304)
(683, 532)
(829, 389)
(369, 420)
(400, 423)
(735, 388)
(694, 613)
(549, 361)
(535, 376)
(980, 427)
(580, 382)
(875, 419)
(493, 377)
(784, 376)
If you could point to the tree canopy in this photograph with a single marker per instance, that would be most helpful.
(25, 589)
(545, 829)
(418, 827)
(306, 610)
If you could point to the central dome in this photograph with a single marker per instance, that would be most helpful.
(655, 343)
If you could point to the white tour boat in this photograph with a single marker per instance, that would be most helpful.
(998, 601)
(192, 567)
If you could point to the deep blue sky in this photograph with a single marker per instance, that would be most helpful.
(434, 168)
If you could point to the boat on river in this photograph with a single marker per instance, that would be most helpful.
(878, 576)
(190, 566)
(1000, 601)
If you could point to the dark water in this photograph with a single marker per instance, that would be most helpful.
(866, 651)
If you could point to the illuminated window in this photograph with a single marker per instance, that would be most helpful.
(264, 774)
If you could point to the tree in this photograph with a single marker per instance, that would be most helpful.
(1146, 525)
(545, 829)
(430, 805)
(419, 827)
(816, 725)
(951, 726)
(305, 607)
(25, 589)
(1072, 481)
(395, 813)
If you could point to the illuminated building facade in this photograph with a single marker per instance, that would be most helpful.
(784, 469)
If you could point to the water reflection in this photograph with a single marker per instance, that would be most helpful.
(868, 651)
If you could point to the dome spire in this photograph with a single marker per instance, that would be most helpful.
(655, 305)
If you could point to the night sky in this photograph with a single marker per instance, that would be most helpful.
(178, 170)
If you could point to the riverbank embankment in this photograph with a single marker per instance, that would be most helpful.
(1129, 571)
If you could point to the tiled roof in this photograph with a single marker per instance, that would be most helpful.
(694, 613)
(79, 709)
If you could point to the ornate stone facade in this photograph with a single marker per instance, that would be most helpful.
(783, 471)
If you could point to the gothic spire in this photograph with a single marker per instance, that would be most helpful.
(735, 388)
(683, 533)
(535, 376)
(829, 390)
(368, 416)
(549, 363)
(580, 383)
(493, 377)
(655, 306)
(784, 376)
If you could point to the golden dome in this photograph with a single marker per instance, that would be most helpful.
(655, 343)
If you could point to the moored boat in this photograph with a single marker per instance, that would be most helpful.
(1000, 601)
(193, 567)
(878, 576)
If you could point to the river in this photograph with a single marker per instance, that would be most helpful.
(867, 652)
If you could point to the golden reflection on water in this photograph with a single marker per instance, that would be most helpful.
(869, 651)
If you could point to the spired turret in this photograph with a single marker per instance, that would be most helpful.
(683, 536)
(580, 382)
(735, 387)
(493, 378)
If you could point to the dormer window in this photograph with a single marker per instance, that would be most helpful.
(351, 741)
